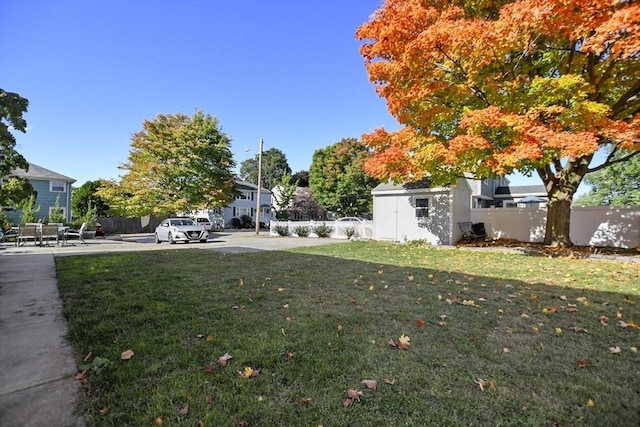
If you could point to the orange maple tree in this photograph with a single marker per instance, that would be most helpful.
(487, 87)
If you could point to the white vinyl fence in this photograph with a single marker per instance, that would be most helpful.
(340, 229)
(590, 226)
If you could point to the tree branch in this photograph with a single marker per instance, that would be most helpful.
(621, 104)
(610, 162)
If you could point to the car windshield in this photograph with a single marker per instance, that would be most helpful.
(181, 222)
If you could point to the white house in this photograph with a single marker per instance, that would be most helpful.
(417, 211)
(243, 204)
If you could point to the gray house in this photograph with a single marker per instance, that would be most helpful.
(417, 211)
(499, 192)
(50, 187)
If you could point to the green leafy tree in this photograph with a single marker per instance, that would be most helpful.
(56, 213)
(29, 210)
(177, 163)
(338, 180)
(86, 195)
(274, 167)
(282, 195)
(301, 177)
(615, 185)
(12, 107)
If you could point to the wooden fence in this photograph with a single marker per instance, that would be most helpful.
(116, 225)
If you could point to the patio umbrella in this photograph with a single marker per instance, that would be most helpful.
(532, 199)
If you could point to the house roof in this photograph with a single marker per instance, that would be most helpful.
(390, 186)
(38, 172)
(244, 185)
(521, 190)
(424, 185)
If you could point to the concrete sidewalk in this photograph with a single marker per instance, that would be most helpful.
(36, 364)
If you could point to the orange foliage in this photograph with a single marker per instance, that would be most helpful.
(491, 86)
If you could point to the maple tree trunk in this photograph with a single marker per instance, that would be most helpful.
(558, 223)
(560, 189)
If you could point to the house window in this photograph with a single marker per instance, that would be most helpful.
(422, 207)
(57, 186)
(244, 195)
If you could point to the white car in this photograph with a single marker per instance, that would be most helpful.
(205, 222)
(186, 230)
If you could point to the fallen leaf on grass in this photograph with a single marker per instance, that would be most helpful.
(420, 323)
(81, 376)
(629, 324)
(578, 329)
(481, 383)
(372, 384)
(604, 320)
(209, 368)
(590, 403)
(289, 355)
(403, 342)
(126, 355)
(305, 400)
(582, 363)
(353, 395)
(184, 410)
(222, 360)
(615, 350)
(104, 411)
(158, 421)
(249, 372)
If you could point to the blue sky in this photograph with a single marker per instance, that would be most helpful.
(287, 71)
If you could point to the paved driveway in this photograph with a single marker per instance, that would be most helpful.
(233, 242)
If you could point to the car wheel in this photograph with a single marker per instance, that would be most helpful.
(157, 239)
(170, 238)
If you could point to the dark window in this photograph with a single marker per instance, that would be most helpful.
(422, 207)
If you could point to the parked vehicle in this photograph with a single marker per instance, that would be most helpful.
(186, 230)
(350, 219)
(205, 222)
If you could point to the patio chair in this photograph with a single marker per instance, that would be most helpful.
(27, 232)
(73, 233)
(49, 232)
(469, 233)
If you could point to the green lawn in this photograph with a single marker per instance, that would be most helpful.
(535, 332)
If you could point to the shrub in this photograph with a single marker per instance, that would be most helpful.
(350, 232)
(56, 213)
(246, 220)
(282, 230)
(236, 223)
(322, 230)
(5, 224)
(29, 210)
(302, 231)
